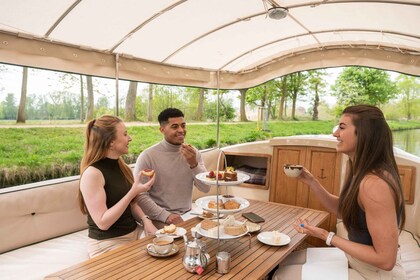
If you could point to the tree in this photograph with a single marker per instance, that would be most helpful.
(283, 95)
(360, 85)
(21, 118)
(316, 85)
(264, 96)
(200, 107)
(130, 102)
(9, 107)
(82, 100)
(150, 104)
(409, 88)
(296, 85)
(242, 105)
(91, 104)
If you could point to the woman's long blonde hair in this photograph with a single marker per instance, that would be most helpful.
(98, 137)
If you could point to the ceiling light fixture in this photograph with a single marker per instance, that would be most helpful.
(277, 12)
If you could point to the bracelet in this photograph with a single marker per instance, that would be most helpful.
(329, 238)
(147, 217)
(192, 167)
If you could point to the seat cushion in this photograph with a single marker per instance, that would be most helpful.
(40, 259)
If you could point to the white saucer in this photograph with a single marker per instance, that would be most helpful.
(180, 231)
(267, 237)
(153, 253)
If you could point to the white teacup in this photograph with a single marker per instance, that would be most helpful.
(161, 245)
(293, 170)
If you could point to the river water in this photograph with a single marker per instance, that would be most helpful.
(408, 140)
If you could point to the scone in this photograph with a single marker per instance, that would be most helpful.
(231, 204)
(169, 229)
(213, 205)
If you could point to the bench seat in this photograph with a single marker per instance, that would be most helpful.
(38, 260)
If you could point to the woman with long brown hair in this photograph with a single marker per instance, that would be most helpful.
(371, 203)
(108, 188)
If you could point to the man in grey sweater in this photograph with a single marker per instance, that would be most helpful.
(175, 164)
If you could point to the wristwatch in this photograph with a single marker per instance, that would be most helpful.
(147, 217)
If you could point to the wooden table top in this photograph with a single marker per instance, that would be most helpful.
(133, 262)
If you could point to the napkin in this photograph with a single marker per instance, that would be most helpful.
(325, 263)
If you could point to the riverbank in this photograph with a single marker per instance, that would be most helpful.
(31, 153)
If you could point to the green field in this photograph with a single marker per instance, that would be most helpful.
(31, 154)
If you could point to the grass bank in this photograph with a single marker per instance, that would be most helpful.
(41, 153)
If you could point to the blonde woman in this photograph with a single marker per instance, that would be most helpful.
(108, 188)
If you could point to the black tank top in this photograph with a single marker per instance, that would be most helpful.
(116, 187)
(362, 235)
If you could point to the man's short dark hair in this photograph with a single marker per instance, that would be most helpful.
(169, 113)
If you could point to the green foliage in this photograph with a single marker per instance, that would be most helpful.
(359, 85)
(266, 95)
(226, 111)
(9, 107)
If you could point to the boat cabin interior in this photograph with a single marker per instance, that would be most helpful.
(214, 44)
(56, 232)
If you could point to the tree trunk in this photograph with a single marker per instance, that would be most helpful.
(200, 109)
(21, 118)
(283, 97)
(90, 108)
(294, 107)
(150, 104)
(82, 100)
(242, 105)
(130, 102)
(316, 104)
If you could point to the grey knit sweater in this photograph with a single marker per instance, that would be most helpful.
(172, 190)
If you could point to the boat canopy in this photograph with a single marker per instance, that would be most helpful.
(228, 44)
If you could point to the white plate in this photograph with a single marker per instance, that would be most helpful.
(203, 202)
(223, 235)
(178, 233)
(203, 178)
(267, 237)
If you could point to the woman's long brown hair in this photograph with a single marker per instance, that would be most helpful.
(374, 155)
(99, 135)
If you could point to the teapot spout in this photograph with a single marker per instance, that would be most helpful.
(185, 238)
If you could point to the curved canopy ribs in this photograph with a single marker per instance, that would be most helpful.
(193, 42)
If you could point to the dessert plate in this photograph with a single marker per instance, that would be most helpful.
(203, 202)
(178, 232)
(212, 181)
(267, 237)
(152, 252)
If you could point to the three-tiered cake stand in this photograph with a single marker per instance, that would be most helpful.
(203, 202)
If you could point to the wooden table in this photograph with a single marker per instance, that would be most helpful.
(133, 262)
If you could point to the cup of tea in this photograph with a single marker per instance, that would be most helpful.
(293, 170)
(161, 245)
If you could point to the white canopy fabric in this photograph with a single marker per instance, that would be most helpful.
(230, 44)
